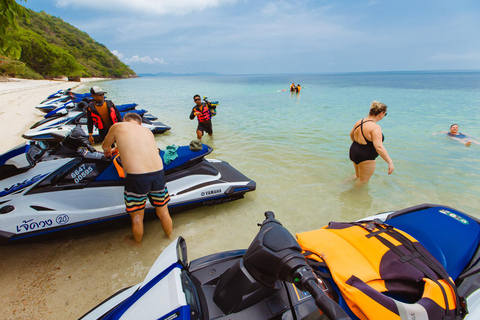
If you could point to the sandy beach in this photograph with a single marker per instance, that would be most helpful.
(33, 276)
(18, 100)
(64, 278)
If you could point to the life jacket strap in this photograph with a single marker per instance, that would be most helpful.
(461, 309)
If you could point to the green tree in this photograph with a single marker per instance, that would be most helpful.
(46, 58)
(9, 12)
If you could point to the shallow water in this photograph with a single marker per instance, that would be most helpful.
(295, 146)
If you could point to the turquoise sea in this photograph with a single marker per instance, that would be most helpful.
(295, 146)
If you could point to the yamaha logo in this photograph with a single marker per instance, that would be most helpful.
(207, 193)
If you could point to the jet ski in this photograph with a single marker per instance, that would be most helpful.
(62, 111)
(282, 277)
(62, 98)
(59, 123)
(49, 193)
(53, 104)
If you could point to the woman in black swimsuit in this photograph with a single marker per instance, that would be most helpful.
(367, 143)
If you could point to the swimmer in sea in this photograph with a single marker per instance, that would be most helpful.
(462, 137)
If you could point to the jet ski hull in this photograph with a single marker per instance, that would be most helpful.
(63, 195)
(54, 129)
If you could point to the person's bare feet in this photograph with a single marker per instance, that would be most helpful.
(131, 241)
(170, 234)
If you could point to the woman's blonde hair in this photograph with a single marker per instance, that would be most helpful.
(377, 107)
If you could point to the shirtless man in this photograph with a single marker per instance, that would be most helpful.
(144, 172)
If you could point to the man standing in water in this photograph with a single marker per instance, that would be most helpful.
(144, 172)
(204, 116)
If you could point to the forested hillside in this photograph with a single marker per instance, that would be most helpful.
(50, 47)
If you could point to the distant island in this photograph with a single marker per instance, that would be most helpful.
(170, 74)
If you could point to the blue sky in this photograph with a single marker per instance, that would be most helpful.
(250, 37)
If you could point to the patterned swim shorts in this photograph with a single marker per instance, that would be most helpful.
(139, 187)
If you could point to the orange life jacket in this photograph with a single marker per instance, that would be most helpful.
(372, 263)
(118, 165)
(205, 116)
(97, 120)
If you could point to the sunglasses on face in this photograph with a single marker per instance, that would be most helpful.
(197, 99)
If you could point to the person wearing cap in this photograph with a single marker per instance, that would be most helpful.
(101, 113)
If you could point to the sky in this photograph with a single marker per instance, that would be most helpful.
(273, 37)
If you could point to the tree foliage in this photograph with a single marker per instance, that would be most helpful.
(10, 11)
(47, 59)
(52, 47)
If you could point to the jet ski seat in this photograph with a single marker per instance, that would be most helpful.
(451, 236)
(186, 158)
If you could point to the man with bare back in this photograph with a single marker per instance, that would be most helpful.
(143, 166)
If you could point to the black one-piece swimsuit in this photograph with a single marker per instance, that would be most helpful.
(362, 152)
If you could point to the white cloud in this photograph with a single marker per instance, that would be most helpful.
(157, 7)
(468, 56)
(119, 55)
(145, 59)
(138, 59)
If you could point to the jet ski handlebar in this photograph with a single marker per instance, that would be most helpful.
(273, 256)
(305, 280)
(288, 264)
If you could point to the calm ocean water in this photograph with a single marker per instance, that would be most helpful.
(294, 146)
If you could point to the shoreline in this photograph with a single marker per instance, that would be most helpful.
(19, 98)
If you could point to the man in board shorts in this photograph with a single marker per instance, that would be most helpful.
(143, 166)
(204, 116)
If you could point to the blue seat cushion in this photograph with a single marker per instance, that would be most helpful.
(451, 236)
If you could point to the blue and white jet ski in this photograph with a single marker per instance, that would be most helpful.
(62, 111)
(48, 193)
(62, 98)
(273, 279)
(57, 124)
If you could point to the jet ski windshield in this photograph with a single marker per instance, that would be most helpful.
(35, 152)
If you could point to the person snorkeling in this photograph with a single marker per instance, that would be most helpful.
(292, 87)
